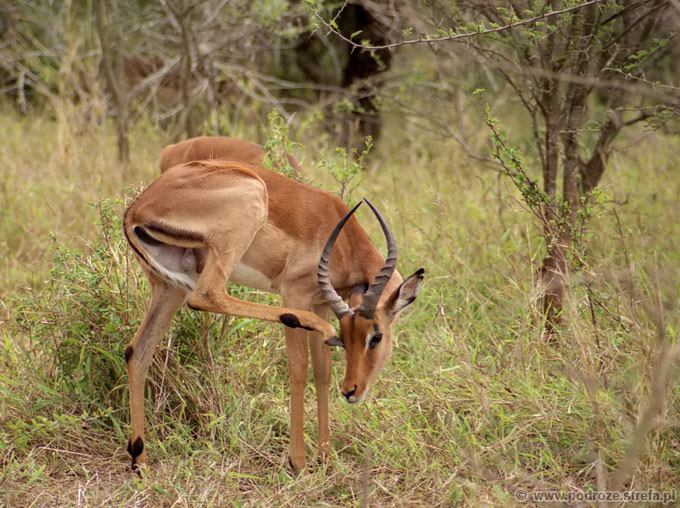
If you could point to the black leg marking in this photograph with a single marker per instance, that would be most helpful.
(128, 353)
(292, 321)
(359, 289)
(136, 449)
(335, 341)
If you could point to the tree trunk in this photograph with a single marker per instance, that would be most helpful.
(591, 171)
(552, 287)
(361, 75)
(564, 120)
(186, 117)
(115, 87)
(552, 273)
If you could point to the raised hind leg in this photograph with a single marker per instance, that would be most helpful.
(166, 299)
(210, 295)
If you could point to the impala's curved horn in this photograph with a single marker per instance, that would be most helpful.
(335, 301)
(371, 297)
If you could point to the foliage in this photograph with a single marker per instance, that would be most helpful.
(278, 146)
(77, 325)
(346, 170)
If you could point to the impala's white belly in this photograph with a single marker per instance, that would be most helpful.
(247, 276)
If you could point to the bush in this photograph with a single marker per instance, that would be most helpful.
(68, 340)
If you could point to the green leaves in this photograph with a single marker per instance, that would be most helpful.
(346, 170)
(510, 159)
(277, 148)
(637, 59)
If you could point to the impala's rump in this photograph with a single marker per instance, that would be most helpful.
(177, 264)
(176, 249)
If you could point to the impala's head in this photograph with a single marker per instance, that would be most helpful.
(366, 323)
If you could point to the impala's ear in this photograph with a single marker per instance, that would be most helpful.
(405, 294)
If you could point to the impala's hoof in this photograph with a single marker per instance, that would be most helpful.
(297, 465)
(323, 460)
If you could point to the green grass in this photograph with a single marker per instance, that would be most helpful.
(475, 402)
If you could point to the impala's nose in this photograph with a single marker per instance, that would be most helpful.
(349, 395)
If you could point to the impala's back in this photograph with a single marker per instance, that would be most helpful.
(216, 147)
(300, 219)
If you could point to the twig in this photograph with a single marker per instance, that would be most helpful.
(452, 37)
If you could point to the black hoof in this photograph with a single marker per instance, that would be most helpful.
(136, 469)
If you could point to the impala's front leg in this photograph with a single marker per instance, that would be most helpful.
(296, 346)
(321, 364)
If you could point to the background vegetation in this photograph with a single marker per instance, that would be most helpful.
(479, 400)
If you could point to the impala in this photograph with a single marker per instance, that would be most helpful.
(206, 222)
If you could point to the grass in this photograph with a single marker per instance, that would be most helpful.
(475, 403)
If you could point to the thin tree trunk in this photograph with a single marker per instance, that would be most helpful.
(115, 87)
(187, 118)
(591, 171)
(565, 121)
(554, 264)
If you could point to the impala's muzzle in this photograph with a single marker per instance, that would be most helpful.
(352, 396)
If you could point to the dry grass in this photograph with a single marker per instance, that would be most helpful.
(476, 401)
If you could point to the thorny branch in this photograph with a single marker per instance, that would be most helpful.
(452, 37)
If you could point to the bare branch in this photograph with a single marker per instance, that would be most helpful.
(454, 37)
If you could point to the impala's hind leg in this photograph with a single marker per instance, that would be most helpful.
(210, 295)
(165, 301)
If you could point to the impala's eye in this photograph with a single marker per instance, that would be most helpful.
(375, 340)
